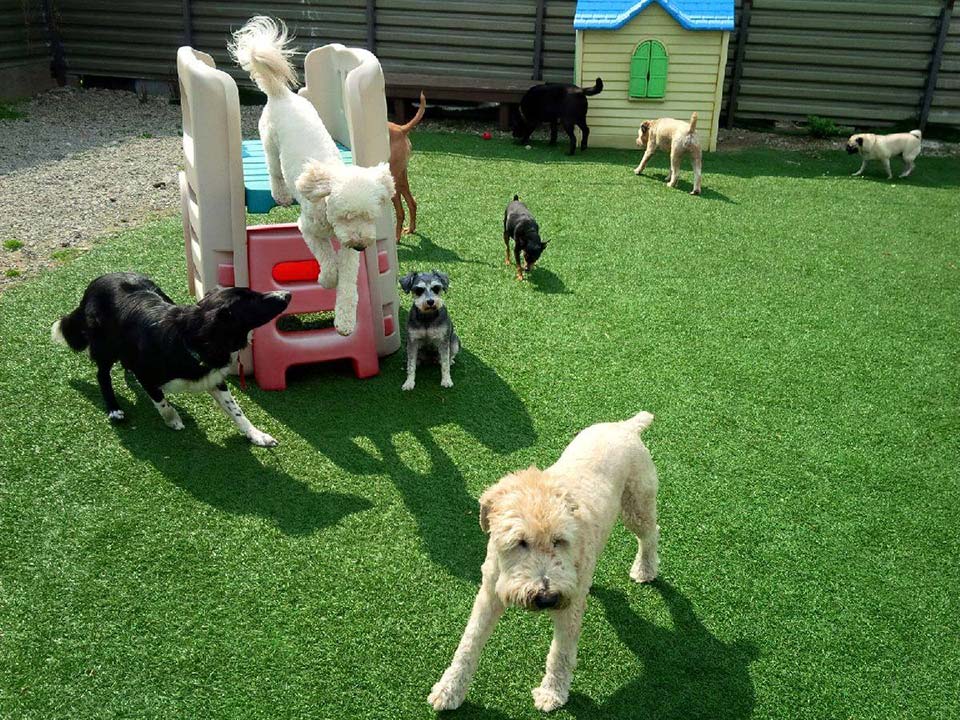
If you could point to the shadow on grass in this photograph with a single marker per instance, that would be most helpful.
(374, 428)
(229, 478)
(686, 185)
(687, 672)
(545, 281)
(426, 251)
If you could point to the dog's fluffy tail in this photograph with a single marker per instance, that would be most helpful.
(262, 48)
(917, 134)
(415, 120)
(595, 90)
(71, 330)
(641, 421)
(693, 123)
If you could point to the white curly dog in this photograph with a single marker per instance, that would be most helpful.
(547, 528)
(304, 163)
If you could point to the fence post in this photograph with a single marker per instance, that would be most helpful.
(58, 60)
(372, 26)
(538, 41)
(742, 34)
(943, 27)
(187, 23)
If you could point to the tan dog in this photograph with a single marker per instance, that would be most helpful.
(680, 139)
(547, 529)
(400, 149)
(884, 147)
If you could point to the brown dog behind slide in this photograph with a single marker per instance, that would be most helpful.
(400, 149)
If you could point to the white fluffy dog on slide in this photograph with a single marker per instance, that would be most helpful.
(304, 163)
(547, 528)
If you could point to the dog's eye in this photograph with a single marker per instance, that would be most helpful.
(559, 542)
(437, 289)
(522, 544)
(418, 291)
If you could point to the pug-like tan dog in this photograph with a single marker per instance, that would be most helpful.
(680, 139)
(884, 147)
(547, 528)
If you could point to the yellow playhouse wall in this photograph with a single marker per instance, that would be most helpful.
(694, 80)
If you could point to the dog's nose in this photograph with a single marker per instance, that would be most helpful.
(281, 295)
(544, 600)
(431, 302)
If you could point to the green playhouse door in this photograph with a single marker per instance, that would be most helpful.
(648, 70)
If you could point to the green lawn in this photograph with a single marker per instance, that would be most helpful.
(795, 330)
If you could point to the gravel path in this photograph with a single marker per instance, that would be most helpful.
(84, 163)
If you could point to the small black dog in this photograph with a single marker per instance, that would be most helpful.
(429, 325)
(553, 103)
(519, 224)
(126, 318)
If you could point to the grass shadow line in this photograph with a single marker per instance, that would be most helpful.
(187, 459)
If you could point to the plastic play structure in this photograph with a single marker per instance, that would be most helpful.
(224, 175)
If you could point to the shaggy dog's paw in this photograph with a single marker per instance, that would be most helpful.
(547, 699)
(116, 416)
(446, 382)
(694, 192)
(282, 197)
(261, 439)
(446, 694)
(408, 385)
(642, 573)
(328, 277)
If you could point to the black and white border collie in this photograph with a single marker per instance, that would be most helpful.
(126, 318)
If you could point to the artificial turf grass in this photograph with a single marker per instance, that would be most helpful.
(793, 329)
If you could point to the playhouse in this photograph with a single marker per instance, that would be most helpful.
(657, 58)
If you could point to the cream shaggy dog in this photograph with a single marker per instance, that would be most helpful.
(547, 528)
(884, 147)
(680, 139)
(304, 163)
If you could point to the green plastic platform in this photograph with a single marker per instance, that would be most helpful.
(256, 179)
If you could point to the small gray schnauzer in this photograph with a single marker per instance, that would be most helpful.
(429, 325)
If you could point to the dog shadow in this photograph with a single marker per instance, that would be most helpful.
(687, 671)
(428, 252)
(706, 193)
(545, 281)
(365, 428)
(189, 461)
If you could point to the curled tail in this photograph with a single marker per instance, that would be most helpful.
(71, 330)
(641, 421)
(595, 90)
(917, 134)
(415, 120)
(693, 123)
(262, 48)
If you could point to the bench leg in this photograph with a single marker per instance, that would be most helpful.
(399, 110)
(504, 116)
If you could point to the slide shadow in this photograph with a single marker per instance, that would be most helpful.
(374, 428)
(687, 672)
(190, 461)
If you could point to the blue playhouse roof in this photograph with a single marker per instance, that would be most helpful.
(691, 14)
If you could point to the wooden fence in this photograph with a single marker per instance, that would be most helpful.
(860, 62)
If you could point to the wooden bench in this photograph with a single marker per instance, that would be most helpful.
(402, 87)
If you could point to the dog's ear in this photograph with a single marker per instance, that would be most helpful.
(316, 181)
(491, 498)
(383, 176)
(860, 141)
(645, 125)
(406, 282)
(442, 277)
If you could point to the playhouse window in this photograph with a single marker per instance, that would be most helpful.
(648, 70)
